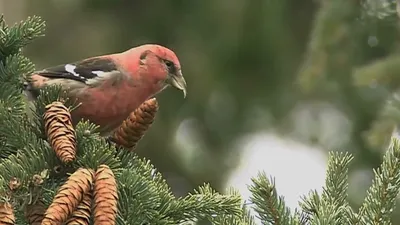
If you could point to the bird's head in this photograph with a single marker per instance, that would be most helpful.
(163, 64)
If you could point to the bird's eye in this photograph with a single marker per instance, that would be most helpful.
(169, 64)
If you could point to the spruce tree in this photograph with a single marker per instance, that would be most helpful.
(49, 169)
(53, 173)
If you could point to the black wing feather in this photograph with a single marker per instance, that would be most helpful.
(83, 69)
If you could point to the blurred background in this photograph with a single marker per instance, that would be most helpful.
(273, 85)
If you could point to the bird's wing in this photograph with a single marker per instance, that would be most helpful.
(81, 71)
(90, 72)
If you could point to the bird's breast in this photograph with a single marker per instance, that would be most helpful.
(108, 106)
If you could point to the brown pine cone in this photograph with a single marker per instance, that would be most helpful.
(105, 196)
(69, 197)
(60, 132)
(129, 133)
(7, 216)
(81, 215)
(34, 213)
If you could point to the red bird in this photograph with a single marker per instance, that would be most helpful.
(110, 87)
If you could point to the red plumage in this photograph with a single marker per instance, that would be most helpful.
(109, 87)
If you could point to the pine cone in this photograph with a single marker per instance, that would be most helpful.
(105, 196)
(7, 216)
(81, 215)
(34, 213)
(68, 197)
(60, 132)
(133, 128)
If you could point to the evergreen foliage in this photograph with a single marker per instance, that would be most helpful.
(144, 196)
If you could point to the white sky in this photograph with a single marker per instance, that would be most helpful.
(297, 168)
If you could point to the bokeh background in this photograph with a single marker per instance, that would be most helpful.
(273, 85)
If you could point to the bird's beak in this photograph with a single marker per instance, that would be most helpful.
(177, 81)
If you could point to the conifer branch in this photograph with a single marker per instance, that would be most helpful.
(205, 203)
(336, 184)
(10, 138)
(311, 206)
(331, 207)
(378, 136)
(15, 37)
(13, 67)
(245, 218)
(381, 196)
(29, 159)
(380, 72)
(330, 46)
(93, 150)
(270, 207)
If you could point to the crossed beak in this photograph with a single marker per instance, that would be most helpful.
(177, 81)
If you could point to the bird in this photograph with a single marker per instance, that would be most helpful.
(109, 87)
